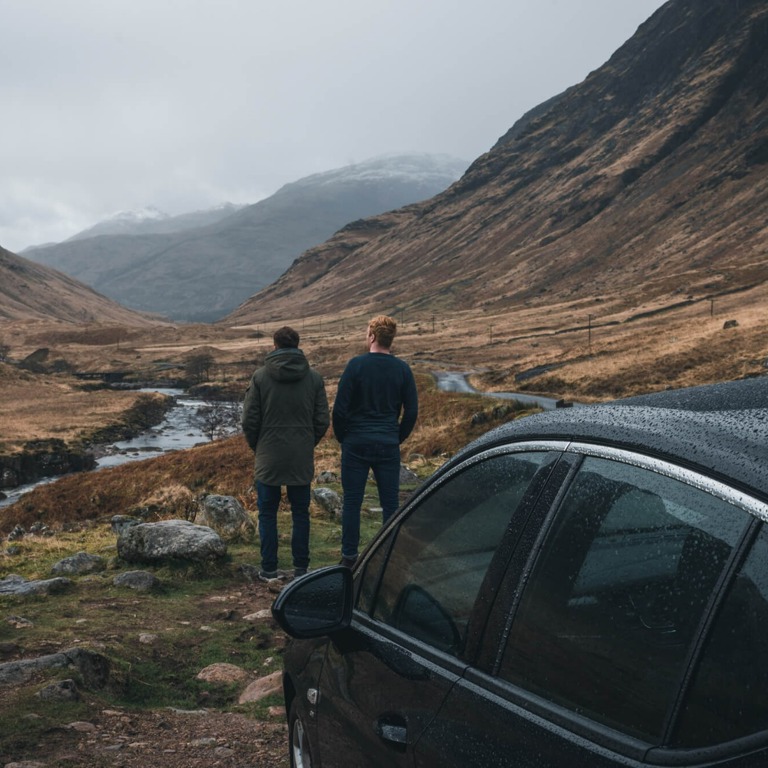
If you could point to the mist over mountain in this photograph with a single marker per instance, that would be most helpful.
(644, 185)
(151, 221)
(201, 273)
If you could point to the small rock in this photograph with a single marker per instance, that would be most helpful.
(327, 499)
(141, 581)
(263, 687)
(222, 673)
(19, 622)
(264, 613)
(82, 726)
(64, 690)
(79, 564)
(207, 741)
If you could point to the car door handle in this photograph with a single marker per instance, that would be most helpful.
(394, 729)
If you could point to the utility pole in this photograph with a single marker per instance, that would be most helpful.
(589, 333)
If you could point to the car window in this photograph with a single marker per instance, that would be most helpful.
(443, 548)
(613, 601)
(729, 698)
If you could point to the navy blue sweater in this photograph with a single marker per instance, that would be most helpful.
(373, 391)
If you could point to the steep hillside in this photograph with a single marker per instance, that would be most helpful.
(643, 186)
(202, 274)
(30, 291)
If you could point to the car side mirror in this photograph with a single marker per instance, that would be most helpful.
(317, 604)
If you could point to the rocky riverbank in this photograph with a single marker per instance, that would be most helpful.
(53, 457)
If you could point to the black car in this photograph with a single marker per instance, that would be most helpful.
(584, 587)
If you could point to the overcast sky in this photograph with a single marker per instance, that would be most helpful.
(111, 105)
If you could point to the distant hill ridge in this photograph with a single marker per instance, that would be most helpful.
(30, 291)
(202, 273)
(647, 182)
(151, 221)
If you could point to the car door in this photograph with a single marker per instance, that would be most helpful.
(423, 590)
(591, 644)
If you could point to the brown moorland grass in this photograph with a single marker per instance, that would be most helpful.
(225, 467)
(41, 407)
(593, 353)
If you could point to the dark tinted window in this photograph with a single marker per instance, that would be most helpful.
(730, 693)
(614, 599)
(443, 549)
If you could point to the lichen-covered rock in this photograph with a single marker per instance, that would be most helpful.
(327, 499)
(226, 516)
(78, 564)
(141, 581)
(170, 540)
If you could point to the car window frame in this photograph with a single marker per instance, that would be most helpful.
(485, 672)
(496, 569)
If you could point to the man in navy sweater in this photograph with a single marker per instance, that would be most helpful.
(375, 410)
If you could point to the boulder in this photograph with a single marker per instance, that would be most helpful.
(79, 564)
(119, 523)
(261, 688)
(93, 667)
(170, 540)
(222, 673)
(14, 584)
(226, 516)
(64, 690)
(141, 581)
(328, 500)
(407, 476)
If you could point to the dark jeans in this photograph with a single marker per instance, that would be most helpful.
(269, 501)
(356, 461)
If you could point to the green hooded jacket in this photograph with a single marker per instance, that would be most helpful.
(285, 414)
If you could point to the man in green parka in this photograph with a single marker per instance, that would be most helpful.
(285, 415)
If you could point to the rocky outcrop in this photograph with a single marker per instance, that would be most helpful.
(42, 458)
(14, 584)
(92, 667)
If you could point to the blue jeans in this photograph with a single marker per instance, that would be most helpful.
(356, 461)
(268, 499)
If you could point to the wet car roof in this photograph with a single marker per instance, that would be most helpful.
(720, 429)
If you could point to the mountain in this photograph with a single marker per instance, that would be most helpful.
(30, 291)
(151, 221)
(646, 182)
(203, 273)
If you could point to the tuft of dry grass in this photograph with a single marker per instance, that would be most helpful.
(226, 467)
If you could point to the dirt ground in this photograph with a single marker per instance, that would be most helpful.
(166, 738)
(163, 739)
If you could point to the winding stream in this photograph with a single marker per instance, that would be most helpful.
(448, 381)
(176, 432)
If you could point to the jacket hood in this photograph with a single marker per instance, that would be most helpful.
(286, 364)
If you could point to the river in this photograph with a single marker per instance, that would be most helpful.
(448, 381)
(179, 431)
(176, 432)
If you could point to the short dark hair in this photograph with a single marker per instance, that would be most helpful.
(286, 337)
